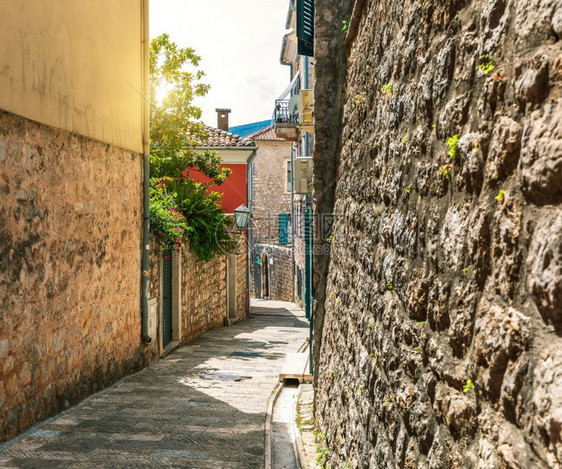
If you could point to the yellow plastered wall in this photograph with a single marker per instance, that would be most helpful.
(75, 65)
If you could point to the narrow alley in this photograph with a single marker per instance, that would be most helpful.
(203, 406)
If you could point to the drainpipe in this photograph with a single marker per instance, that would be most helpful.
(146, 173)
(248, 234)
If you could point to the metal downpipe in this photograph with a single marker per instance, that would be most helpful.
(146, 174)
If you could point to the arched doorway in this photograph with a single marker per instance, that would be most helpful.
(265, 275)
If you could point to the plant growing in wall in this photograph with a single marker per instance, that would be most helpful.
(485, 64)
(387, 88)
(445, 171)
(180, 208)
(501, 195)
(469, 385)
(453, 143)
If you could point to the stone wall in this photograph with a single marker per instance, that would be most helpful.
(280, 272)
(202, 292)
(242, 281)
(299, 247)
(70, 265)
(270, 195)
(441, 343)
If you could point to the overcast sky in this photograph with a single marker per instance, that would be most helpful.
(239, 42)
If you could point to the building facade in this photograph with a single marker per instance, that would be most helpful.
(236, 154)
(271, 230)
(294, 121)
(73, 138)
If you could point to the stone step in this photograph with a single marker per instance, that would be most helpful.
(296, 367)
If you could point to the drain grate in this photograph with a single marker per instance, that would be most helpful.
(240, 353)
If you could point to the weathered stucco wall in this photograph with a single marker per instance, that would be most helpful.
(70, 238)
(442, 340)
(76, 66)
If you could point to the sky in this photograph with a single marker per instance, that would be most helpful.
(239, 42)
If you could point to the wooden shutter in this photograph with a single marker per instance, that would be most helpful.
(283, 224)
(305, 27)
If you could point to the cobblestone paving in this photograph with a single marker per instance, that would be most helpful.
(183, 411)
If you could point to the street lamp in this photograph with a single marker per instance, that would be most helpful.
(242, 216)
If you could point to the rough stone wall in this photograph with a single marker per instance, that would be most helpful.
(270, 190)
(203, 289)
(154, 261)
(70, 257)
(242, 280)
(442, 341)
(299, 246)
(329, 74)
(204, 292)
(280, 272)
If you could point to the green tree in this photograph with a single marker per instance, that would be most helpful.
(180, 208)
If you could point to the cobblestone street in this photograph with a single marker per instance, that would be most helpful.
(203, 406)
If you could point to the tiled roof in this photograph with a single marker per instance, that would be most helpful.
(267, 134)
(222, 138)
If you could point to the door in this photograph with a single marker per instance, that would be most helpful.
(167, 298)
(265, 276)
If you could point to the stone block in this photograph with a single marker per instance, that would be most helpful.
(544, 264)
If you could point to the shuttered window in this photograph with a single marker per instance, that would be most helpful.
(283, 228)
(305, 27)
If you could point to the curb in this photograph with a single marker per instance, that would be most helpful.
(268, 431)
(304, 441)
(268, 425)
(301, 459)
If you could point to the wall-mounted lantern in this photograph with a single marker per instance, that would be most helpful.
(242, 217)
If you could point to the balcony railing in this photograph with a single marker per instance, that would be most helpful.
(282, 114)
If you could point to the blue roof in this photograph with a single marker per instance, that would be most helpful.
(247, 129)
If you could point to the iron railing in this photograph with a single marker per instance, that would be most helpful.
(282, 114)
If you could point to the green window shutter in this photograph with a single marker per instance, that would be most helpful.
(283, 223)
(305, 27)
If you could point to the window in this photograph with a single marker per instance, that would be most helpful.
(305, 27)
(289, 176)
(284, 224)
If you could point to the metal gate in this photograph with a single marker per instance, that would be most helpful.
(167, 298)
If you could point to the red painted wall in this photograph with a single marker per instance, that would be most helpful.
(233, 189)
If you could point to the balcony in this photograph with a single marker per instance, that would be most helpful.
(286, 120)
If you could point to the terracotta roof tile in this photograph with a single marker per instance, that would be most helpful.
(267, 134)
(222, 138)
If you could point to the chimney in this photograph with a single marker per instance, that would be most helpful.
(222, 118)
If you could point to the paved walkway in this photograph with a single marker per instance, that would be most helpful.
(183, 411)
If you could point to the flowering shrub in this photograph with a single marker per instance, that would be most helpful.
(166, 222)
(183, 210)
